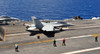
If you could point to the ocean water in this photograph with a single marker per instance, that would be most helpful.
(50, 9)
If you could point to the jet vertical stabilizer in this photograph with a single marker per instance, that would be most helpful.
(37, 23)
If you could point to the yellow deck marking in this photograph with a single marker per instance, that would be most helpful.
(95, 34)
(35, 42)
(4, 34)
(26, 43)
(6, 46)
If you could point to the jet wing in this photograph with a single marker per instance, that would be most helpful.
(53, 24)
(48, 28)
(31, 28)
(56, 25)
(2, 19)
(26, 24)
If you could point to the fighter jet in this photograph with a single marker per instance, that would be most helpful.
(5, 19)
(47, 27)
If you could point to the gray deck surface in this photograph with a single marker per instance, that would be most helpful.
(80, 28)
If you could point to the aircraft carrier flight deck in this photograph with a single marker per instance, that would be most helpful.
(79, 39)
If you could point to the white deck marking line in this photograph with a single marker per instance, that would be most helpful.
(49, 40)
(87, 27)
(80, 51)
(17, 34)
(76, 37)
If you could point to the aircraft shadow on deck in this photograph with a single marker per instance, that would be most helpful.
(48, 34)
(4, 24)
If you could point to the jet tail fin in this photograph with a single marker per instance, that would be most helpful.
(37, 23)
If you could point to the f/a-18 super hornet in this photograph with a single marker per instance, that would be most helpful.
(43, 26)
(48, 29)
